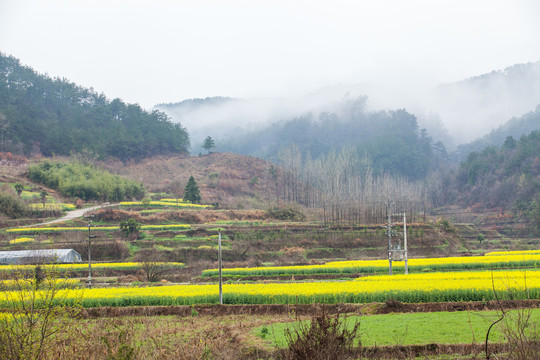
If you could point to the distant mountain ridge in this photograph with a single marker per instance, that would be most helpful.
(515, 127)
(455, 113)
(477, 105)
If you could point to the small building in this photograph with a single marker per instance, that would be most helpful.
(23, 257)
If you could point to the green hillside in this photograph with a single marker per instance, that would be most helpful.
(506, 177)
(515, 127)
(41, 115)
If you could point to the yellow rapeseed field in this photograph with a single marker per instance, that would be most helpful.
(450, 286)
(506, 253)
(31, 230)
(169, 203)
(21, 240)
(377, 266)
(84, 266)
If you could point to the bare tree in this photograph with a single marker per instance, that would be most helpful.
(36, 321)
(151, 265)
(343, 184)
(177, 189)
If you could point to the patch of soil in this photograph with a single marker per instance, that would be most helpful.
(214, 279)
(415, 351)
(306, 309)
(393, 306)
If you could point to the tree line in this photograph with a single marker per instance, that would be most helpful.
(505, 177)
(392, 139)
(41, 115)
(342, 186)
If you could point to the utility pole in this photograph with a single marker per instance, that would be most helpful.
(219, 266)
(89, 255)
(389, 232)
(405, 241)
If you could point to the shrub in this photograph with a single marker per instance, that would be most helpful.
(285, 214)
(130, 227)
(12, 206)
(323, 338)
(84, 181)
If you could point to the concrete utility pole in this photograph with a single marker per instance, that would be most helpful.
(89, 254)
(405, 241)
(389, 232)
(219, 266)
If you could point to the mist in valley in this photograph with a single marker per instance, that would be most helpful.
(453, 113)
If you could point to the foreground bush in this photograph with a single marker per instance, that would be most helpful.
(37, 318)
(323, 338)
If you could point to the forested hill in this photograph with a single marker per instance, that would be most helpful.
(54, 116)
(506, 177)
(391, 140)
(515, 127)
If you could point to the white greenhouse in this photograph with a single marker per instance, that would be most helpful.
(39, 256)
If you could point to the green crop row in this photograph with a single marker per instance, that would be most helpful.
(36, 230)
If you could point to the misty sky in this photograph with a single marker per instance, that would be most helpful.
(158, 51)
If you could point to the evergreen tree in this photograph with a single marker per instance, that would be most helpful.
(19, 188)
(208, 144)
(191, 192)
(130, 227)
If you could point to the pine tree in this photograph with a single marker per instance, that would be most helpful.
(191, 192)
(208, 144)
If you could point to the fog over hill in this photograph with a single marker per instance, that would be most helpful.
(454, 113)
(475, 106)
(223, 118)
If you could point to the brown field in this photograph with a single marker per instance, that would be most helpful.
(227, 332)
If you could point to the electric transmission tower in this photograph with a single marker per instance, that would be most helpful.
(397, 241)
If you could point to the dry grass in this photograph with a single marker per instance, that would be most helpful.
(234, 174)
(222, 332)
(183, 216)
(170, 337)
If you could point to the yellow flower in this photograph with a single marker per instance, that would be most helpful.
(21, 240)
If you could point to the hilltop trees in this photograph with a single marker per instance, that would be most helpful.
(191, 192)
(55, 116)
(392, 139)
(502, 177)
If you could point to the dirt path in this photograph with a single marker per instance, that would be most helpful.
(74, 214)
